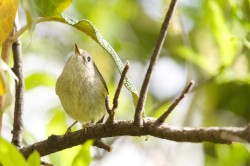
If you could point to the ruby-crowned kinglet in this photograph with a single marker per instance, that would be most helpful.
(82, 89)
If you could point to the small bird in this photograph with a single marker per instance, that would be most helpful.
(82, 89)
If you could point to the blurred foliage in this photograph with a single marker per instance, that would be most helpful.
(83, 157)
(10, 156)
(210, 38)
(235, 154)
(231, 96)
(39, 79)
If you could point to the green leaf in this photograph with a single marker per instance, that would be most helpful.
(83, 158)
(9, 154)
(46, 8)
(39, 79)
(34, 159)
(221, 33)
(43, 8)
(7, 16)
(87, 27)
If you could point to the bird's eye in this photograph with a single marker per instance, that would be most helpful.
(88, 59)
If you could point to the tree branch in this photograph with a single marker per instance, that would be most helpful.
(225, 135)
(156, 53)
(18, 122)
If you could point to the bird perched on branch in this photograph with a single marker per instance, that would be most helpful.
(82, 89)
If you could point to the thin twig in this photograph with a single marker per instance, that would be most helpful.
(100, 144)
(70, 127)
(119, 87)
(20, 31)
(107, 105)
(26, 27)
(156, 53)
(117, 94)
(164, 116)
(18, 122)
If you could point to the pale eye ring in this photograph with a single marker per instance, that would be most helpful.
(88, 59)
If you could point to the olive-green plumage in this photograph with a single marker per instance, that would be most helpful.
(82, 89)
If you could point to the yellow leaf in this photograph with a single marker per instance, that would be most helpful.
(8, 10)
(2, 87)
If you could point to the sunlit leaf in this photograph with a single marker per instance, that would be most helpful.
(9, 154)
(87, 27)
(221, 33)
(43, 8)
(7, 16)
(46, 7)
(34, 159)
(83, 157)
(39, 79)
(2, 86)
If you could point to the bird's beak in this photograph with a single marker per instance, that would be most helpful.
(77, 51)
